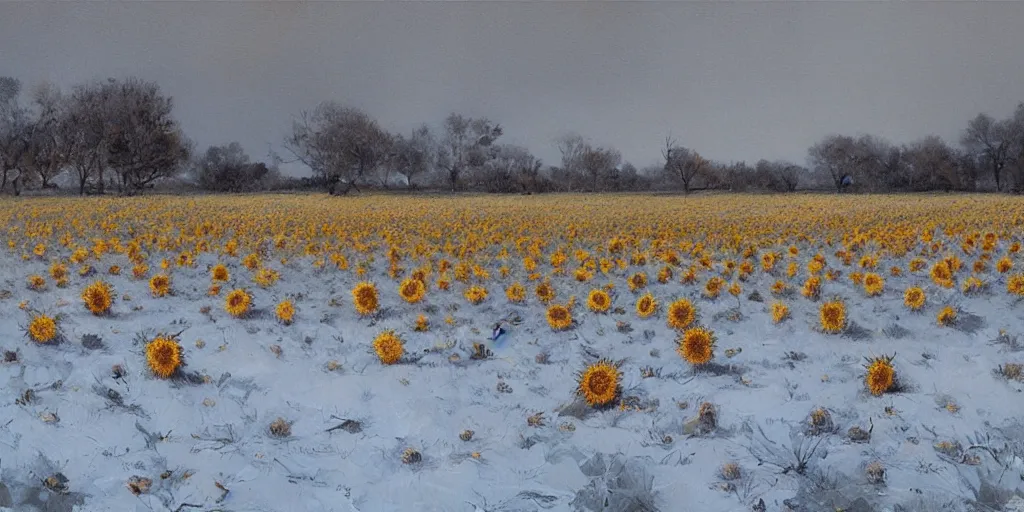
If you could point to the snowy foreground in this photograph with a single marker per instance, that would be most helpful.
(207, 445)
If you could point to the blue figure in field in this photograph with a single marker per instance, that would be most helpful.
(498, 332)
(845, 182)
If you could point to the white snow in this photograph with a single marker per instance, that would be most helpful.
(203, 434)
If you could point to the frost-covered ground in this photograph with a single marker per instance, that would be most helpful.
(206, 445)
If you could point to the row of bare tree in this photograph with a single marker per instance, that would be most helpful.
(346, 146)
(119, 135)
(991, 155)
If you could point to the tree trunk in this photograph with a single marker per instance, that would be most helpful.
(453, 177)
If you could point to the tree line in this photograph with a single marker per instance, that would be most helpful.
(119, 136)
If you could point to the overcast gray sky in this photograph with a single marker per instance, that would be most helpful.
(736, 81)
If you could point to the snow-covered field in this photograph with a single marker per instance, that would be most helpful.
(74, 432)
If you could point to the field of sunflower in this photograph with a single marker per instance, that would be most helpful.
(269, 352)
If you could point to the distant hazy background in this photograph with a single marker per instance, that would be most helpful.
(736, 81)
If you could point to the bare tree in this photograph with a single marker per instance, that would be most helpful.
(787, 175)
(780, 176)
(84, 134)
(599, 163)
(1014, 132)
(509, 169)
(228, 169)
(528, 172)
(145, 143)
(934, 164)
(16, 133)
(835, 156)
(47, 155)
(465, 144)
(452, 153)
(385, 166)
(316, 141)
(989, 140)
(571, 146)
(684, 163)
(967, 168)
(874, 162)
(414, 155)
(339, 144)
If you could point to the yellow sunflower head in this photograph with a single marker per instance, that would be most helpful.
(583, 275)
(780, 312)
(42, 328)
(285, 312)
(58, 271)
(1015, 285)
(735, 289)
(545, 292)
(98, 297)
(1004, 265)
(160, 285)
(443, 282)
(690, 276)
(637, 281)
(599, 301)
(942, 275)
(36, 282)
(697, 346)
(237, 302)
(646, 305)
(665, 274)
(947, 316)
(163, 354)
(681, 314)
(874, 284)
(914, 298)
(559, 317)
(475, 294)
(598, 384)
(389, 347)
(779, 287)
(713, 287)
(812, 288)
(251, 262)
(412, 290)
(220, 273)
(515, 293)
(422, 323)
(364, 298)
(139, 270)
(266, 277)
(880, 376)
(832, 316)
(973, 285)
